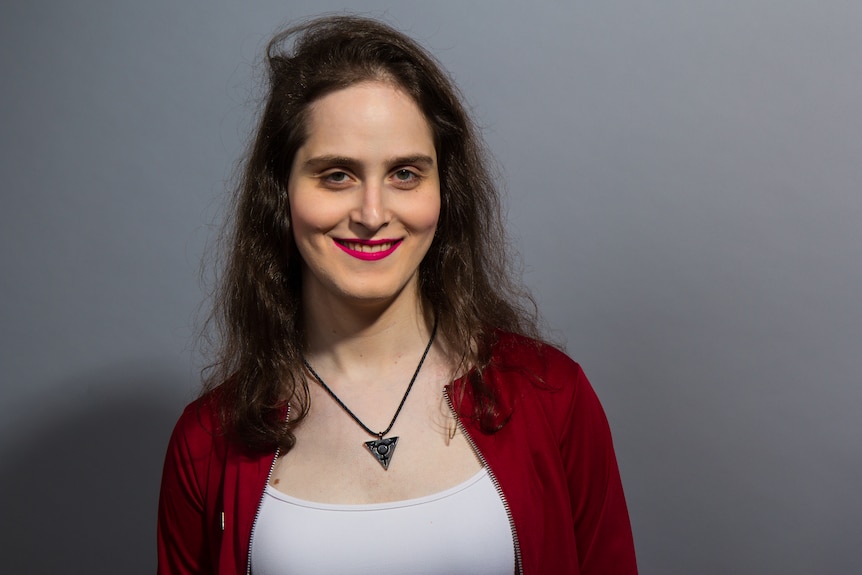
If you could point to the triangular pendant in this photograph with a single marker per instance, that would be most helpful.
(382, 450)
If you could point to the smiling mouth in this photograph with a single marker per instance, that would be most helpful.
(368, 250)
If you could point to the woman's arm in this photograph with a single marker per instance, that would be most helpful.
(182, 543)
(602, 527)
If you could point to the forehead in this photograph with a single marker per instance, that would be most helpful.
(367, 119)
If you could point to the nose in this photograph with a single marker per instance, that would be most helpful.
(371, 212)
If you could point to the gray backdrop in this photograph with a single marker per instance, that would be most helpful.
(683, 182)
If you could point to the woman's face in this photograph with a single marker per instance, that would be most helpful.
(364, 195)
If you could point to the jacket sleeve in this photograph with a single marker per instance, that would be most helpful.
(182, 524)
(602, 528)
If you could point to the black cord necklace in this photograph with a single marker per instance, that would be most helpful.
(382, 449)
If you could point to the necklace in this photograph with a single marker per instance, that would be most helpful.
(382, 449)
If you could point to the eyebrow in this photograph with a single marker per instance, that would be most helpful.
(326, 161)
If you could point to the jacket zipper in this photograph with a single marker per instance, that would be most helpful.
(518, 563)
(260, 502)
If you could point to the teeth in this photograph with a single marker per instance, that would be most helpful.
(367, 248)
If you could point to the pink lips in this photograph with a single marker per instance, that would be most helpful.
(368, 250)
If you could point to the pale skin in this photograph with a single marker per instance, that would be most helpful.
(368, 171)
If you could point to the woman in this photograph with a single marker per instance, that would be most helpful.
(381, 403)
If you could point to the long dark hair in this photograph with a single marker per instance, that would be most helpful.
(464, 278)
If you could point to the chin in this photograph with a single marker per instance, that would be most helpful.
(371, 297)
(364, 296)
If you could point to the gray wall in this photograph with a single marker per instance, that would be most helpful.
(684, 186)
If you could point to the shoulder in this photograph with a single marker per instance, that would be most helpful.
(199, 430)
(532, 373)
(196, 454)
(542, 364)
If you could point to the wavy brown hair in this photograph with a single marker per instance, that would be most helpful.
(464, 278)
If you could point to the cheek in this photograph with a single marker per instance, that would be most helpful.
(432, 223)
(425, 217)
(433, 216)
(309, 218)
(301, 223)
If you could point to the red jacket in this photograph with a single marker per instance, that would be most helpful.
(553, 461)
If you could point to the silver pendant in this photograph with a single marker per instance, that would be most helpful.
(382, 450)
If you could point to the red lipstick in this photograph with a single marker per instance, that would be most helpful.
(368, 250)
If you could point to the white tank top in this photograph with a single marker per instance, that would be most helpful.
(463, 530)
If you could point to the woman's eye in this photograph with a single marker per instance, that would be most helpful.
(405, 176)
(336, 178)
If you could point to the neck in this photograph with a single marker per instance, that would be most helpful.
(345, 336)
